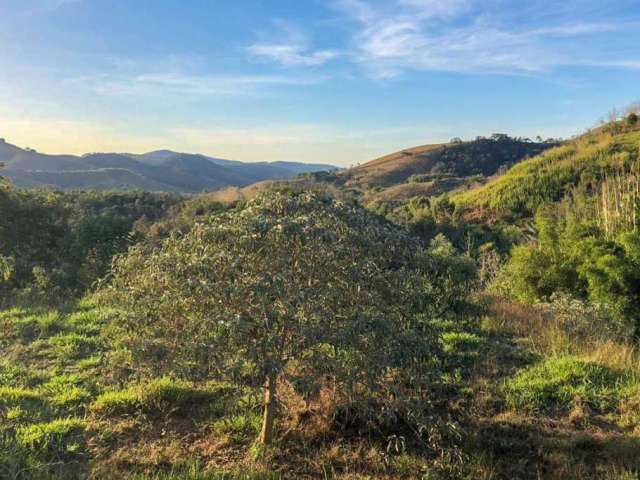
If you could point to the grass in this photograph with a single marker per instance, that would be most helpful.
(560, 383)
(160, 396)
(58, 439)
(550, 175)
(508, 406)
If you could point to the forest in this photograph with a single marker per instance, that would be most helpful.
(487, 331)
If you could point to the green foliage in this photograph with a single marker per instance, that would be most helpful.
(54, 244)
(551, 175)
(558, 382)
(574, 257)
(286, 283)
(483, 156)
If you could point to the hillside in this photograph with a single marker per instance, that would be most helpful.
(483, 156)
(576, 167)
(430, 170)
(156, 171)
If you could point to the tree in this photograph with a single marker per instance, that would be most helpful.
(290, 286)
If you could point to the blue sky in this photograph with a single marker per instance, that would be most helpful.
(339, 81)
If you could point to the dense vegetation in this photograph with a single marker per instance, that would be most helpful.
(485, 334)
(58, 244)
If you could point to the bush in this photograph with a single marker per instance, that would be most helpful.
(585, 322)
(558, 382)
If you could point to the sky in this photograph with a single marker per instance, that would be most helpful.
(332, 81)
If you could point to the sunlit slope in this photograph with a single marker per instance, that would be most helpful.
(484, 156)
(555, 173)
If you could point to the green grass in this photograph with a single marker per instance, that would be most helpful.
(240, 426)
(557, 383)
(58, 439)
(163, 395)
(68, 390)
(199, 475)
(68, 419)
(20, 397)
(74, 345)
(550, 175)
(460, 341)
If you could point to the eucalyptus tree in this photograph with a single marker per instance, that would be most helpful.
(289, 285)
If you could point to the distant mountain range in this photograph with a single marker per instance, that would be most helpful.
(162, 170)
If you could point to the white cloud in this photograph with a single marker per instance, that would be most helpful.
(457, 35)
(291, 47)
(291, 54)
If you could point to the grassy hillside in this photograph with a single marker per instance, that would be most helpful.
(463, 159)
(578, 165)
(430, 170)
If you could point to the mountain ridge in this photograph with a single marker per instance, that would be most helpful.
(161, 170)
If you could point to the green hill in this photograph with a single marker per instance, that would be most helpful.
(579, 165)
(430, 170)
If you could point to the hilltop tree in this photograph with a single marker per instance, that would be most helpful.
(292, 286)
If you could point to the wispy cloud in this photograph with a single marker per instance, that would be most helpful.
(162, 84)
(291, 47)
(457, 36)
(291, 54)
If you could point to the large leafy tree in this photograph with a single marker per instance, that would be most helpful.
(288, 285)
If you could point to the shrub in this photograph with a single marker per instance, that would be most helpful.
(557, 382)
(585, 322)
(287, 279)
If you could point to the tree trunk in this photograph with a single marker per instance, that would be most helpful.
(266, 435)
